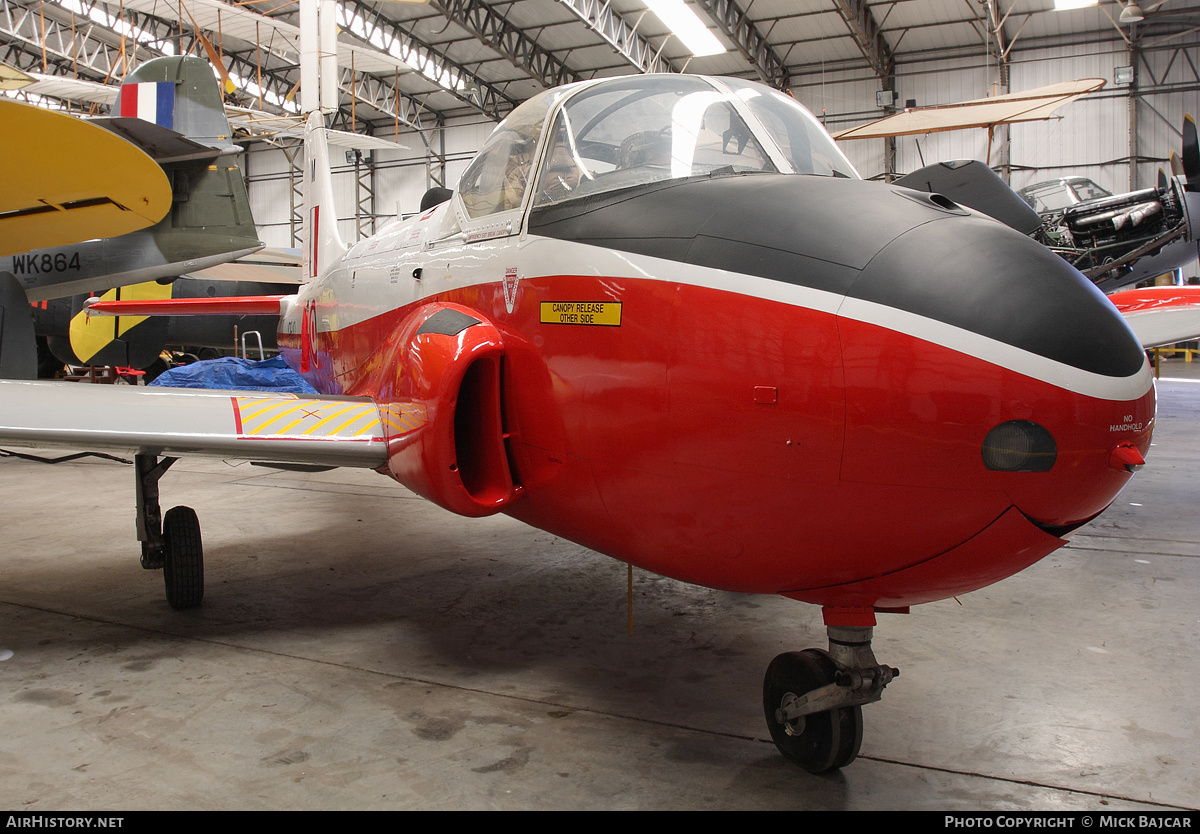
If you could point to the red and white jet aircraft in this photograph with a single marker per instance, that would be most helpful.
(662, 316)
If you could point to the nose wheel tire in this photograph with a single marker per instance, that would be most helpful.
(820, 741)
(183, 558)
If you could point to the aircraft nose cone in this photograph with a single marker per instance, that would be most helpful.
(974, 333)
(981, 277)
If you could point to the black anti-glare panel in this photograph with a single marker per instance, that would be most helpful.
(876, 242)
(447, 323)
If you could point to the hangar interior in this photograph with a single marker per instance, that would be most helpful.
(485, 664)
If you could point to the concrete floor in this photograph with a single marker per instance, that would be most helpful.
(359, 648)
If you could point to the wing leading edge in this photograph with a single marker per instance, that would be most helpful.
(241, 425)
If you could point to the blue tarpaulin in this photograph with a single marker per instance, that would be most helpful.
(232, 374)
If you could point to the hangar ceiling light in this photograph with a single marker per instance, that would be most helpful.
(680, 19)
(1132, 13)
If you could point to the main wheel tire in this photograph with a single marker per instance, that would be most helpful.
(183, 558)
(155, 369)
(818, 742)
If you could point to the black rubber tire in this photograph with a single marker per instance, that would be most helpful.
(183, 558)
(48, 365)
(819, 742)
(155, 369)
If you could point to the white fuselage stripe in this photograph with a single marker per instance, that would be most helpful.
(999, 353)
(537, 257)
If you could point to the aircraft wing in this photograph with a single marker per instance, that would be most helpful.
(270, 265)
(1031, 105)
(57, 86)
(1161, 315)
(163, 145)
(55, 193)
(12, 78)
(239, 425)
(262, 125)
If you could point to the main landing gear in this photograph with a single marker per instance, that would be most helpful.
(813, 699)
(171, 543)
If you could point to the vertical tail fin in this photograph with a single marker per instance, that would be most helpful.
(323, 246)
(179, 93)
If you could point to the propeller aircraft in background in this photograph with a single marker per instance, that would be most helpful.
(1116, 240)
(170, 109)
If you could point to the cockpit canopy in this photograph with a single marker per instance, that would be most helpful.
(600, 136)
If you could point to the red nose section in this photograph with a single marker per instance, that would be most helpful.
(1009, 544)
(932, 425)
(1054, 450)
(1126, 458)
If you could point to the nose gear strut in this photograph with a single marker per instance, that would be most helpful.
(813, 698)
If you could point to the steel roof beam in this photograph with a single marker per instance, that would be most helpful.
(94, 49)
(522, 51)
(618, 34)
(475, 91)
(384, 97)
(85, 45)
(867, 34)
(751, 43)
(990, 27)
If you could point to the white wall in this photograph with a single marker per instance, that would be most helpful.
(1094, 130)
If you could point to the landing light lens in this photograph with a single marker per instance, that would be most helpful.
(1019, 446)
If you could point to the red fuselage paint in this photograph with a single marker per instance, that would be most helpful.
(860, 487)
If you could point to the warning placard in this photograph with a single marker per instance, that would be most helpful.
(602, 313)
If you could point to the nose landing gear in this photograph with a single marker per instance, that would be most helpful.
(813, 699)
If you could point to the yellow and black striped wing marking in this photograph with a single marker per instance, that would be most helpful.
(303, 419)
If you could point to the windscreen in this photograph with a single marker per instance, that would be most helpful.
(496, 180)
(801, 138)
(641, 131)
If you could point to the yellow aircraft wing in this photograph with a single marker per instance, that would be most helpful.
(66, 181)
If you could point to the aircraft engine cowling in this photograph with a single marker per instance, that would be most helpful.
(1126, 217)
(444, 426)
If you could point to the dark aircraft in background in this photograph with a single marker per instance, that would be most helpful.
(661, 316)
(74, 338)
(1117, 240)
(172, 109)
